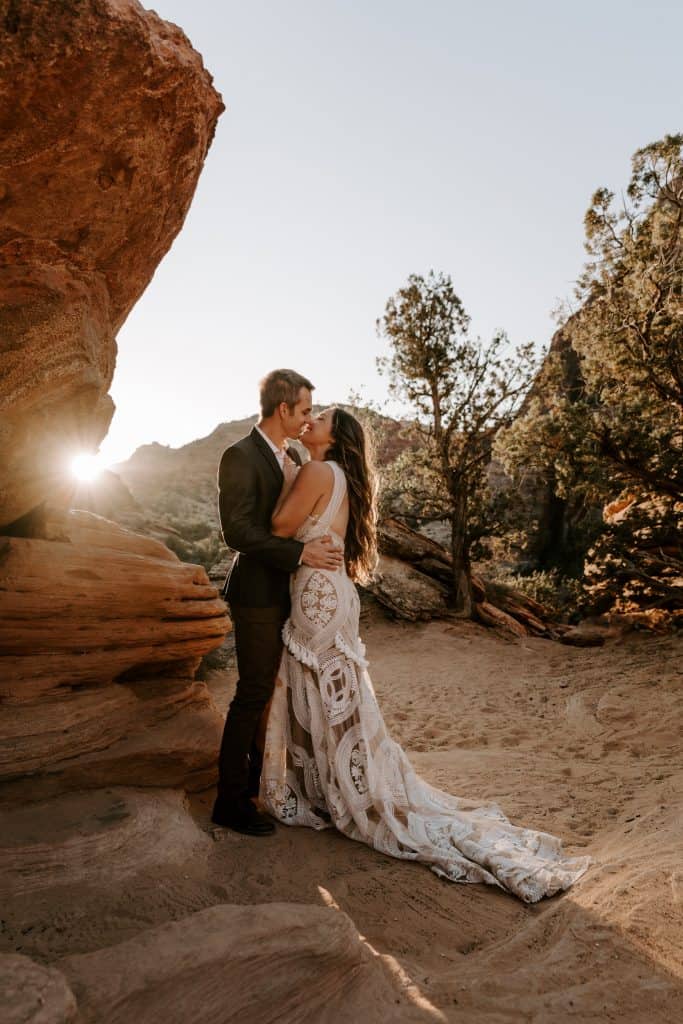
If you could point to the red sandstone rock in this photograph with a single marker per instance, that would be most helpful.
(107, 116)
(100, 635)
(95, 839)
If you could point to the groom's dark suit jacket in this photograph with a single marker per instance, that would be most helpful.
(249, 484)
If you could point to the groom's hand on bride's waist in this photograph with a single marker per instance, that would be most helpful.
(322, 554)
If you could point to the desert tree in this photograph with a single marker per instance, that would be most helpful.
(614, 432)
(629, 334)
(460, 391)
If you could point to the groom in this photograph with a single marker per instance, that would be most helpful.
(250, 478)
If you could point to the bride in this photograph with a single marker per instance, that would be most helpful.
(328, 758)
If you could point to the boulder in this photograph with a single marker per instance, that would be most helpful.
(101, 632)
(96, 838)
(274, 962)
(32, 994)
(407, 592)
(108, 116)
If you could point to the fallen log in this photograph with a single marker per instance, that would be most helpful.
(426, 580)
(517, 611)
(478, 588)
(502, 595)
(492, 616)
(397, 540)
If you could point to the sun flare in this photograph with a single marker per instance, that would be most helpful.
(86, 467)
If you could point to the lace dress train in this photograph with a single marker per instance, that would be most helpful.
(329, 760)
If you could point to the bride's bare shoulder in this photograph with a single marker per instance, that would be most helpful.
(316, 471)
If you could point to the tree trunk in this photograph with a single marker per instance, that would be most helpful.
(462, 583)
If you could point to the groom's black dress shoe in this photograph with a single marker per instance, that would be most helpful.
(242, 817)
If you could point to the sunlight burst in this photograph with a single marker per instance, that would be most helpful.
(86, 467)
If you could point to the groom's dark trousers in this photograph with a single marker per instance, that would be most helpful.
(257, 590)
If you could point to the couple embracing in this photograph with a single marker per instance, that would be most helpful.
(304, 733)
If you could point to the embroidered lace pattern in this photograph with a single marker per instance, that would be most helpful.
(330, 762)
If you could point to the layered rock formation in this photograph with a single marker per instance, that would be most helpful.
(96, 839)
(407, 592)
(275, 962)
(71, 857)
(102, 632)
(107, 116)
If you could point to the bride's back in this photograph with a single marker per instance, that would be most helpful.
(331, 515)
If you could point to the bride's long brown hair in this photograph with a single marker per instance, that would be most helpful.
(351, 450)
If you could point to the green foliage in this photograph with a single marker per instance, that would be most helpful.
(412, 487)
(461, 390)
(629, 333)
(205, 551)
(637, 564)
(606, 412)
(561, 595)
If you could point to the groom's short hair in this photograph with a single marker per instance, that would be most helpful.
(281, 386)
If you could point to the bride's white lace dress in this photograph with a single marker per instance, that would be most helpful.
(330, 762)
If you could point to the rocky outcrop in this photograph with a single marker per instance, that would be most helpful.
(97, 838)
(407, 592)
(107, 496)
(280, 961)
(428, 556)
(109, 114)
(414, 581)
(101, 632)
(32, 994)
(275, 962)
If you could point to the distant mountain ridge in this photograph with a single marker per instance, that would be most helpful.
(155, 467)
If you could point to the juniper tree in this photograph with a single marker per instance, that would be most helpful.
(461, 391)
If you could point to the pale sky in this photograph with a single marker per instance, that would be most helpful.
(370, 139)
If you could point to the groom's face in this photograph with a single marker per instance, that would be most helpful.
(298, 419)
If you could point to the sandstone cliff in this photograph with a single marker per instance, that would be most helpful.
(107, 115)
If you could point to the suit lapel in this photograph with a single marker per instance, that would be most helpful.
(268, 454)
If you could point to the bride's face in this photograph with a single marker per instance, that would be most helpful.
(319, 434)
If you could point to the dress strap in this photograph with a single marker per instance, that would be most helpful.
(338, 494)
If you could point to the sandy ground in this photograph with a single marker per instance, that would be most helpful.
(584, 743)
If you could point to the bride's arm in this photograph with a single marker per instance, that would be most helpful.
(310, 484)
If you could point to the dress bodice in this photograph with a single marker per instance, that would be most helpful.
(318, 526)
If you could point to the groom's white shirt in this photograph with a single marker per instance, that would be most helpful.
(279, 453)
